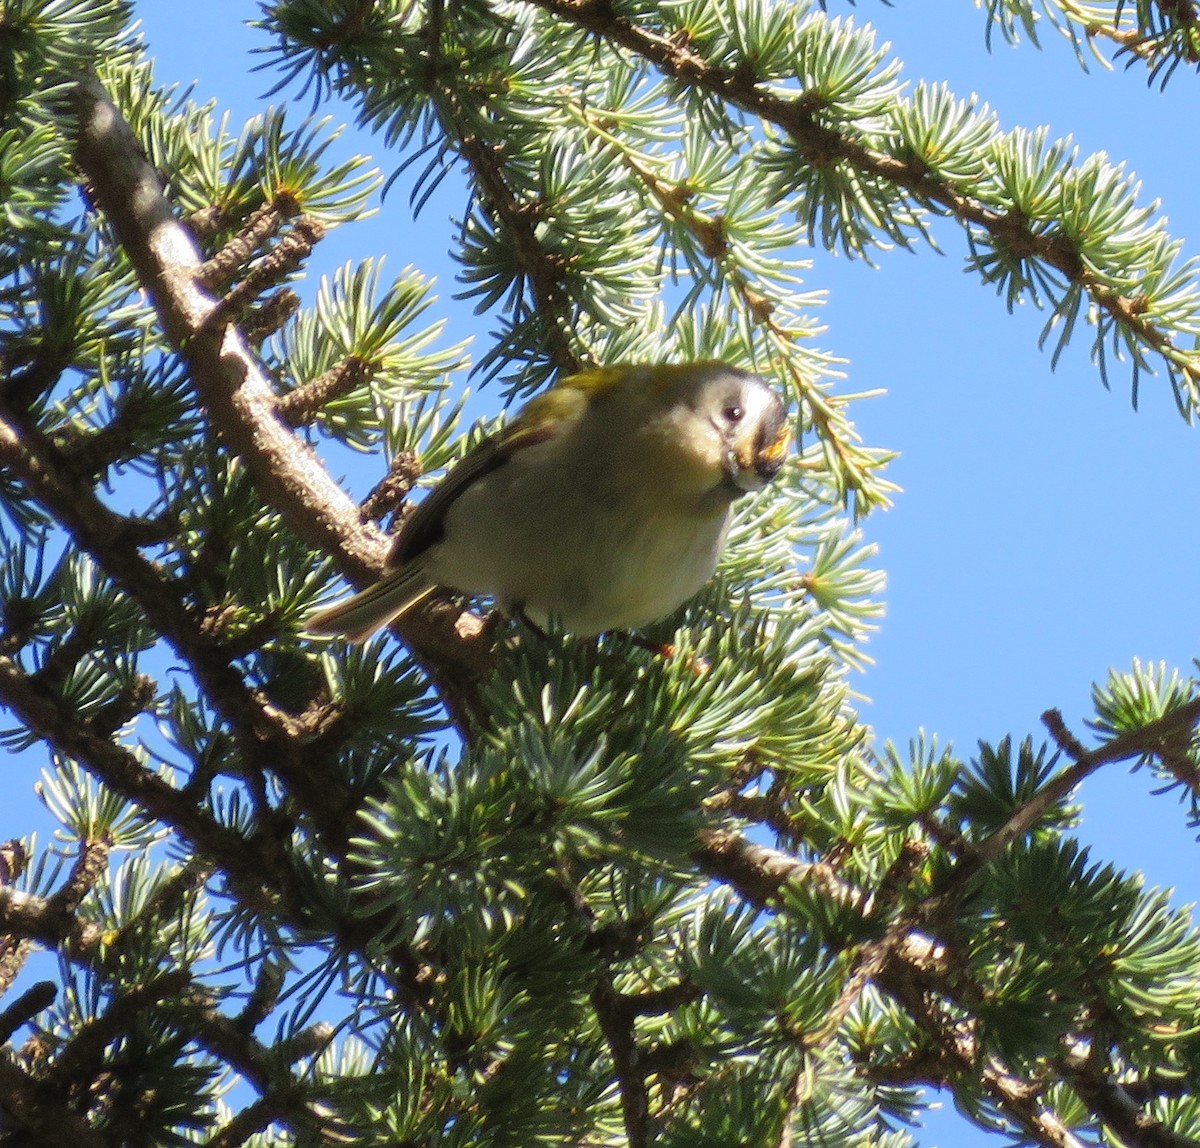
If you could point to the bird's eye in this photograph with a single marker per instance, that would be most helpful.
(732, 413)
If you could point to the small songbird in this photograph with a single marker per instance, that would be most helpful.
(603, 505)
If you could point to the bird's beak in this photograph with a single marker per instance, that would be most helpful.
(757, 460)
(772, 442)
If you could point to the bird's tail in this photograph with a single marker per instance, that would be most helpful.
(361, 615)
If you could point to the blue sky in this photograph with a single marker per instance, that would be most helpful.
(1043, 532)
(1041, 535)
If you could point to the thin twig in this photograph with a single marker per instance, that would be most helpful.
(1145, 740)
(31, 1002)
(617, 1026)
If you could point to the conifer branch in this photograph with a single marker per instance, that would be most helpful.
(1156, 48)
(28, 1105)
(256, 870)
(874, 955)
(656, 1002)
(618, 1027)
(268, 736)
(301, 406)
(189, 1006)
(238, 395)
(260, 1065)
(122, 772)
(1026, 1104)
(759, 872)
(31, 1002)
(262, 225)
(1114, 1105)
(82, 1059)
(1155, 738)
(284, 259)
(517, 217)
(82, 1066)
(259, 323)
(906, 963)
(917, 975)
(256, 1117)
(824, 146)
(15, 947)
(85, 873)
(47, 921)
(542, 270)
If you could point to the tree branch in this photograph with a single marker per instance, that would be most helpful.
(616, 1022)
(44, 1113)
(238, 395)
(1119, 1111)
(30, 917)
(542, 271)
(1140, 43)
(26, 1007)
(1146, 740)
(258, 879)
(269, 737)
(906, 963)
(915, 975)
(823, 146)
(759, 872)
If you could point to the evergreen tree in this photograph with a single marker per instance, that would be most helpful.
(471, 884)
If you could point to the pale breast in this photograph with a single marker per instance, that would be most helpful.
(565, 550)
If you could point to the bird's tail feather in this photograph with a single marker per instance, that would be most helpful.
(368, 611)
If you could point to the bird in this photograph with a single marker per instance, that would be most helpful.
(603, 505)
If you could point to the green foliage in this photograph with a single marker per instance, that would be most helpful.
(1149, 693)
(995, 786)
(490, 886)
(1161, 36)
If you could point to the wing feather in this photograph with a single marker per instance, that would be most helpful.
(540, 420)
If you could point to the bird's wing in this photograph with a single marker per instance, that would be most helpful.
(541, 419)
